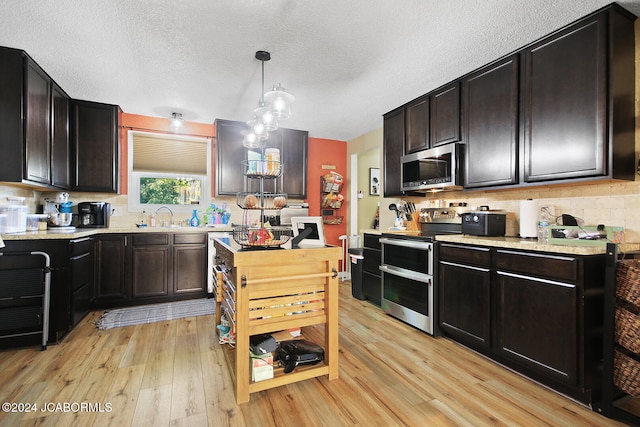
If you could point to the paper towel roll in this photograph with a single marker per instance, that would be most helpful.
(528, 218)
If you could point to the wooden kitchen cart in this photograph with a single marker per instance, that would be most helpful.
(270, 290)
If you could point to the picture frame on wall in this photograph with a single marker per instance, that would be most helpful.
(374, 181)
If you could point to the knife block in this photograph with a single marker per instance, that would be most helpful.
(414, 224)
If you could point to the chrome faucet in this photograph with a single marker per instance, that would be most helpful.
(170, 211)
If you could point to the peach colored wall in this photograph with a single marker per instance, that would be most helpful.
(160, 125)
(332, 153)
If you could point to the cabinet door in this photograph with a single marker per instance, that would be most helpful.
(293, 155)
(565, 104)
(37, 122)
(150, 271)
(229, 155)
(537, 325)
(95, 144)
(491, 125)
(417, 125)
(189, 269)
(445, 115)
(150, 265)
(393, 147)
(464, 303)
(60, 165)
(110, 268)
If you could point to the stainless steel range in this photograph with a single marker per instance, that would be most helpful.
(408, 281)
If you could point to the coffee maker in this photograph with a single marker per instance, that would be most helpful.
(93, 214)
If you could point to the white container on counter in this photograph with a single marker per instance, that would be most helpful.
(16, 218)
(36, 222)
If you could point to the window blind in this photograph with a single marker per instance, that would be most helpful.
(169, 154)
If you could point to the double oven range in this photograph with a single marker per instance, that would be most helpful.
(408, 268)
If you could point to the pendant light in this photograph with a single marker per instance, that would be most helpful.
(270, 109)
(280, 102)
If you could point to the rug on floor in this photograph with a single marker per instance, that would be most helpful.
(129, 316)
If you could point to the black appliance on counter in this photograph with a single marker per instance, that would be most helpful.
(94, 214)
(484, 223)
(408, 268)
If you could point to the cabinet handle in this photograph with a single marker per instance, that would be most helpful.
(125, 240)
(84, 239)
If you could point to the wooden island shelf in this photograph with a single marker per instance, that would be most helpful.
(270, 290)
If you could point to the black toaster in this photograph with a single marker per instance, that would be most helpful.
(484, 223)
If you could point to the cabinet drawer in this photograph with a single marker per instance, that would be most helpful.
(21, 318)
(80, 246)
(556, 267)
(190, 238)
(20, 283)
(150, 239)
(372, 259)
(372, 241)
(465, 254)
(81, 270)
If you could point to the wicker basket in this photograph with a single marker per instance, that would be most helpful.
(627, 329)
(626, 373)
(332, 220)
(628, 281)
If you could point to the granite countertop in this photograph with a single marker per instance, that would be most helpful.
(518, 243)
(85, 232)
(531, 244)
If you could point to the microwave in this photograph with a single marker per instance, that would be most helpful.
(434, 169)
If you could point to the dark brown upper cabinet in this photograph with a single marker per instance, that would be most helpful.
(60, 148)
(95, 146)
(37, 139)
(34, 127)
(578, 100)
(416, 125)
(393, 147)
(490, 127)
(293, 146)
(445, 115)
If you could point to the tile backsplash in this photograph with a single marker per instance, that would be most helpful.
(611, 204)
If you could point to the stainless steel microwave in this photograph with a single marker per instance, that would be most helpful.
(435, 169)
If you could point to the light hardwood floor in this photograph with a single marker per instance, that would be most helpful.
(174, 373)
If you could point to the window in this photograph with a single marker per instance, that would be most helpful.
(168, 170)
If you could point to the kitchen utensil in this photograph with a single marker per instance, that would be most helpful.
(394, 207)
(60, 219)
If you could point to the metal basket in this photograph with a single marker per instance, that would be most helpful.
(271, 201)
(261, 237)
(261, 168)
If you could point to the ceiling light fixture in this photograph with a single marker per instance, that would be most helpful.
(272, 106)
(176, 120)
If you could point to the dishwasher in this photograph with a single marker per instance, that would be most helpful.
(25, 289)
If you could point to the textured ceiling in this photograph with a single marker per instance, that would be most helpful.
(346, 62)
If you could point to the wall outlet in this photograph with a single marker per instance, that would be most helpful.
(116, 211)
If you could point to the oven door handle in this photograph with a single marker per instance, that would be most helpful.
(406, 243)
(411, 275)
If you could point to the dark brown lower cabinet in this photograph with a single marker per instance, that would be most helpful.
(465, 303)
(71, 286)
(110, 270)
(537, 325)
(150, 265)
(538, 313)
(189, 257)
(144, 268)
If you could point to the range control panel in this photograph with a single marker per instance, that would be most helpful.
(441, 215)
